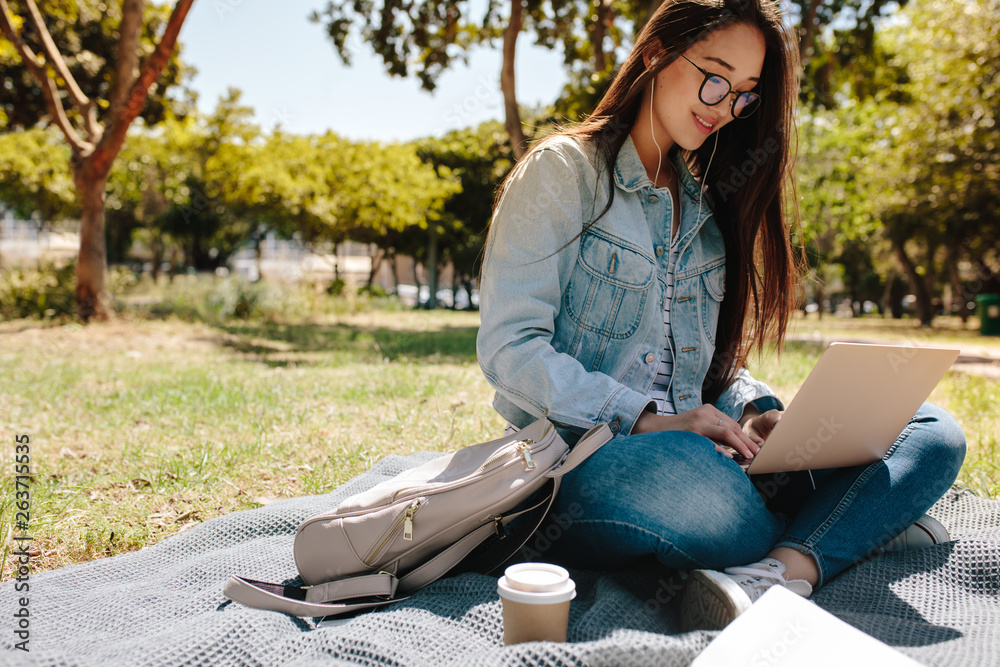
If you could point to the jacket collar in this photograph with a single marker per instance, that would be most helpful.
(630, 175)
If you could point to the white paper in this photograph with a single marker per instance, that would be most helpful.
(782, 628)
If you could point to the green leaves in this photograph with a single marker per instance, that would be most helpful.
(209, 182)
(35, 174)
(86, 32)
(907, 159)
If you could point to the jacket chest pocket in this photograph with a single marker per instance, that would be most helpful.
(609, 286)
(714, 289)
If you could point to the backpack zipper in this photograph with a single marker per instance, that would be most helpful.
(406, 520)
(521, 446)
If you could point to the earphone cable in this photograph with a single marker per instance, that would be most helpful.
(704, 177)
(659, 152)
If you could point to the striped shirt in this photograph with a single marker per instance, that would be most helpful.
(660, 391)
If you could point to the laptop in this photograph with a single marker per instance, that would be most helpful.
(852, 407)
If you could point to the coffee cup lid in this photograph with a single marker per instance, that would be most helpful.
(536, 583)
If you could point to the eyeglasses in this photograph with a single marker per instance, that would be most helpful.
(716, 88)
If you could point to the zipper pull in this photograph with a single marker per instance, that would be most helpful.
(499, 527)
(408, 521)
(529, 463)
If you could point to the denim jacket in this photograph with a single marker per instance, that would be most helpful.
(572, 326)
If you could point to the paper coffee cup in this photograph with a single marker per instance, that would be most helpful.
(535, 598)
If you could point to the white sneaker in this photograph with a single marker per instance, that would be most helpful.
(925, 532)
(713, 599)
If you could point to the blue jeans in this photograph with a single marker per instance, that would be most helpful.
(673, 496)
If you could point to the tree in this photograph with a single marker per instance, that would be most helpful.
(837, 187)
(909, 166)
(430, 35)
(837, 43)
(157, 194)
(480, 157)
(387, 190)
(95, 138)
(941, 148)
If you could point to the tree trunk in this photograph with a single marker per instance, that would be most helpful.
(929, 277)
(957, 291)
(158, 250)
(917, 284)
(395, 272)
(601, 25)
(820, 296)
(416, 280)
(92, 301)
(806, 31)
(258, 256)
(512, 122)
(887, 294)
(376, 259)
(432, 269)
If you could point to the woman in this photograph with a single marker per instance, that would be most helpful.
(633, 261)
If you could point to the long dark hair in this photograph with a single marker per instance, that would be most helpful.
(751, 181)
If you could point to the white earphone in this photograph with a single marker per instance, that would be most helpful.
(659, 152)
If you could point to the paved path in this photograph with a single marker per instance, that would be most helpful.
(975, 359)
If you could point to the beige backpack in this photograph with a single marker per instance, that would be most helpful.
(379, 546)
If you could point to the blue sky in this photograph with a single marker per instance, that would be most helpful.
(290, 74)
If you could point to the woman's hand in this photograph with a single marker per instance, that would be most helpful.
(706, 420)
(759, 426)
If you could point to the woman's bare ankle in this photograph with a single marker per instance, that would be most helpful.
(797, 564)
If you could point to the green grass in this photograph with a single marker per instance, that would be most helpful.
(141, 428)
(945, 330)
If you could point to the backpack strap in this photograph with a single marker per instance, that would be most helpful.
(303, 602)
(437, 567)
(588, 444)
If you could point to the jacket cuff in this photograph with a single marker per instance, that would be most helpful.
(649, 407)
(745, 389)
(622, 410)
(765, 403)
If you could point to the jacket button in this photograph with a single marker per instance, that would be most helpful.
(650, 358)
(653, 199)
(659, 251)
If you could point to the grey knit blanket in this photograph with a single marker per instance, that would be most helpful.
(163, 605)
